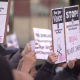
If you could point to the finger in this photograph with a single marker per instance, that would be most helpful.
(36, 47)
(51, 46)
(32, 53)
(53, 57)
(27, 53)
(51, 49)
(53, 54)
(28, 44)
(29, 48)
(36, 43)
(22, 59)
(75, 60)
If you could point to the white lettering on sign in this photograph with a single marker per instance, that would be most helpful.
(44, 39)
(57, 16)
(72, 14)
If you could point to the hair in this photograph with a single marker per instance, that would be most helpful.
(76, 69)
(5, 71)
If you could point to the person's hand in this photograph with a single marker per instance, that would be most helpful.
(52, 58)
(72, 63)
(26, 49)
(20, 64)
(33, 72)
(51, 47)
(29, 61)
(36, 45)
(19, 75)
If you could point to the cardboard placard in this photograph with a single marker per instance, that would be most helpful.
(58, 35)
(12, 40)
(44, 39)
(71, 15)
(4, 17)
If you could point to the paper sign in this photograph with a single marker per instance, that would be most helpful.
(71, 15)
(32, 44)
(58, 34)
(4, 15)
(44, 39)
(12, 40)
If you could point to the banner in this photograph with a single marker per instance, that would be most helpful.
(58, 34)
(71, 15)
(4, 16)
(44, 39)
(12, 40)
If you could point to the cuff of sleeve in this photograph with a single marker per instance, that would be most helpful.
(68, 69)
(47, 64)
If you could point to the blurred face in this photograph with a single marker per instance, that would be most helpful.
(33, 72)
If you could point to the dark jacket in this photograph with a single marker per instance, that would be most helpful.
(13, 62)
(47, 72)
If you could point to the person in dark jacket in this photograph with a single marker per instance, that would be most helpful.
(46, 71)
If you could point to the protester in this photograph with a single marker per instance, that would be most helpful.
(5, 71)
(26, 59)
(45, 73)
(14, 60)
(27, 63)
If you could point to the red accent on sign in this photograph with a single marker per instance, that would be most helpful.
(73, 38)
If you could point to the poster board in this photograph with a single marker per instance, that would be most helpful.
(4, 17)
(11, 40)
(71, 17)
(44, 39)
(58, 36)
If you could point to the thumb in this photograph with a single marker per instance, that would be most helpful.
(75, 60)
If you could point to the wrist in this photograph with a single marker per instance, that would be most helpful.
(25, 69)
(68, 69)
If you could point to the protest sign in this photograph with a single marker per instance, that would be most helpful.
(4, 16)
(71, 15)
(12, 40)
(58, 37)
(44, 39)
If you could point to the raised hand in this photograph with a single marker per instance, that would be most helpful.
(29, 61)
(52, 58)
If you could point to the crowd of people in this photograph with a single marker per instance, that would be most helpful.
(19, 64)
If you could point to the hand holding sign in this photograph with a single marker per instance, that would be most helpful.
(52, 58)
(72, 63)
(26, 49)
(29, 61)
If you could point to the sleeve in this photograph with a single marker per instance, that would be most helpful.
(66, 73)
(45, 72)
(13, 62)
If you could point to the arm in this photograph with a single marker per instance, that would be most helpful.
(13, 62)
(66, 73)
(45, 71)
